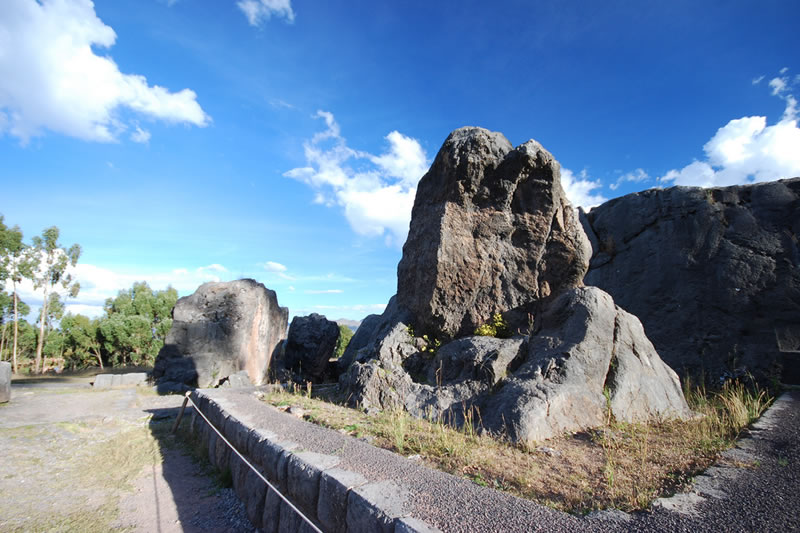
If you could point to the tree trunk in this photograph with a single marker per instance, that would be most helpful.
(16, 328)
(99, 359)
(40, 343)
(3, 340)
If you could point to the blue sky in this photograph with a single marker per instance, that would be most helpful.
(192, 140)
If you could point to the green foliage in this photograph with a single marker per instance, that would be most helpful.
(431, 344)
(81, 341)
(136, 323)
(496, 328)
(345, 334)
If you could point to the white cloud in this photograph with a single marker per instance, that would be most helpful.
(272, 266)
(579, 189)
(98, 283)
(376, 192)
(52, 79)
(259, 11)
(637, 176)
(747, 150)
(325, 291)
(757, 80)
(140, 136)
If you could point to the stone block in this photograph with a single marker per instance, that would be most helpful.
(334, 485)
(303, 471)
(270, 520)
(102, 381)
(255, 492)
(134, 379)
(5, 382)
(374, 507)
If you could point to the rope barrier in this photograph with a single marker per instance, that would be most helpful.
(265, 480)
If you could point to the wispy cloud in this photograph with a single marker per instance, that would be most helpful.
(260, 11)
(637, 176)
(140, 136)
(55, 81)
(580, 189)
(376, 192)
(325, 291)
(747, 149)
(272, 266)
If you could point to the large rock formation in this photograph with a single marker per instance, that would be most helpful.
(219, 330)
(714, 274)
(308, 348)
(491, 230)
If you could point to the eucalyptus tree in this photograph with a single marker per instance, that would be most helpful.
(14, 265)
(81, 340)
(136, 324)
(52, 261)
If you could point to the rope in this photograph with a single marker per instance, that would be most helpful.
(265, 480)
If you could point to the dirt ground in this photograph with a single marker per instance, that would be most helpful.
(76, 459)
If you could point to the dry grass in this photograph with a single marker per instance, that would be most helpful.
(623, 466)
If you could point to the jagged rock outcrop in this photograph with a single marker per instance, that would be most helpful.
(713, 274)
(491, 230)
(219, 330)
(308, 348)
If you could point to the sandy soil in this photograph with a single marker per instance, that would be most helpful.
(76, 459)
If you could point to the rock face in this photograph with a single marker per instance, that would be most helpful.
(714, 274)
(5, 381)
(219, 330)
(309, 347)
(491, 230)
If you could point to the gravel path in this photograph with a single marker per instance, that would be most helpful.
(76, 459)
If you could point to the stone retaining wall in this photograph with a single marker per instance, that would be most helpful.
(335, 499)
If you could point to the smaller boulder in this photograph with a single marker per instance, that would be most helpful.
(5, 382)
(309, 346)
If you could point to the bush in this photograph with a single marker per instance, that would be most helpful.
(345, 334)
(496, 328)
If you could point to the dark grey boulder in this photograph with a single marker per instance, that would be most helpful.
(309, 347)
(713, 274)
(358, 341)
(5, 381)
(491, 230)
(219, 330)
